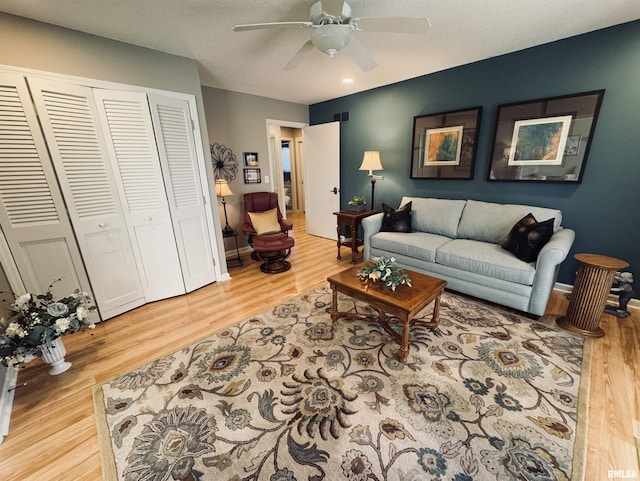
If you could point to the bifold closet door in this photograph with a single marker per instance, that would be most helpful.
(32, 212)
(176, 146)
(70, 124)
(127, 124)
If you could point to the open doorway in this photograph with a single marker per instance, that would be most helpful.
(286, 165)
(292, 174)
(317, 158)
(285, 146)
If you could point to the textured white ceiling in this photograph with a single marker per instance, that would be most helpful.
(463, 31)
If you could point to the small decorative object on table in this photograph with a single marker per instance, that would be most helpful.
(36, 324)
(358, 203)
(383, 269)
(623, 287)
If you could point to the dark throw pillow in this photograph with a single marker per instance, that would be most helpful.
(396, 220)
(528, 237)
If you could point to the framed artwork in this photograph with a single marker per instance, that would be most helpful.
(252, 176)
(250, 159)
(539, 141)
(444, 144)
(544, 140)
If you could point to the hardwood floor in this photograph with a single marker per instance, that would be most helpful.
(53, 435)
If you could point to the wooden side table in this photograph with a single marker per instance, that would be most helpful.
(232, 233)
(353, 219)
(590, 293)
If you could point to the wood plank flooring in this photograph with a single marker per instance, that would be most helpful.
(53, 432)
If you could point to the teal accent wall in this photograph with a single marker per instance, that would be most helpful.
(604, 209)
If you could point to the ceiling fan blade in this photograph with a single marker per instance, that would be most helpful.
(298, 56)
(360, 56)
(332, 7)
(262, 26)
(411, 25)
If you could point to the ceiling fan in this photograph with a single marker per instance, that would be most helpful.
(332, 27)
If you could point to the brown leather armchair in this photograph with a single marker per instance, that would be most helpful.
(273, 246)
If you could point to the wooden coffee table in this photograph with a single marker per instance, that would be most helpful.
(400, 306)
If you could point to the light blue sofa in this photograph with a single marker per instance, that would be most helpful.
(460, 241)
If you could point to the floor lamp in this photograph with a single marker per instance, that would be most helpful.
(222, 190)
(371, 162)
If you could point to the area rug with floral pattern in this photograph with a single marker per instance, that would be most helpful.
(287, 395)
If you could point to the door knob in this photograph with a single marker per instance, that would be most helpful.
(334, 190)
(102, 225)
(148, 218)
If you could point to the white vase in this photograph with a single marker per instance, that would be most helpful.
(54, 356)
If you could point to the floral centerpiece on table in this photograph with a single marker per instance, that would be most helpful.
(37, 320)
(385, 270)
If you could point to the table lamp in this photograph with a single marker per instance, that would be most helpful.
(222, 190)
(371, 162)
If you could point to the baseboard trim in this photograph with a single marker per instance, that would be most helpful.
(613, 300)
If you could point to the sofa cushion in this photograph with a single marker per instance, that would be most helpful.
(396, 220)
(528, 237)
(437, 216)
(486, 259)
(418, 245)
(489, 222)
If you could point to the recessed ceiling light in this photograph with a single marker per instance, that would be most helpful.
(347, 80)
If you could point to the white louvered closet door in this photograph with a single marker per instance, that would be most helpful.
(176, 146)
(32, 212)
(71, 127)
(127, 124)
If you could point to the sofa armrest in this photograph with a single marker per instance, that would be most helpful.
(558, 247)
(370, 225)
(551, 256)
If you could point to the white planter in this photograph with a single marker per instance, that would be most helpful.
(54, 356)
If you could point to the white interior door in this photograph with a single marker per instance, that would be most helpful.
(32, 212)
(322, 178)
(134, 157)
(76, 142)
(187, 201)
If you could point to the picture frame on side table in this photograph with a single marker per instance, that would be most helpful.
(544, 140)
(252, 176)
(445, 143)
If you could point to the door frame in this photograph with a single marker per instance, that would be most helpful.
(275, 163)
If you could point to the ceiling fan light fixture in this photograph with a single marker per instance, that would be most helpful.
(331, 39)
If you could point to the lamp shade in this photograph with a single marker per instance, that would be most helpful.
(371, 161)
(222, 188)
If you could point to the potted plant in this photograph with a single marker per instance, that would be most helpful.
(37, 322)
(383, 269)
(357, 203)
